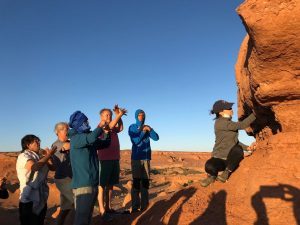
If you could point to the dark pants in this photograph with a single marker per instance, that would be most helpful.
(3, 193)
(27, 217)
(214, 165)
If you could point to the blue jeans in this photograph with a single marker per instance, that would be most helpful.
(84, 200)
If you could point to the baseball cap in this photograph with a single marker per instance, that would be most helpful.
(221, 105)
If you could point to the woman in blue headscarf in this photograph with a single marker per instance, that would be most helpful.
(85, 166)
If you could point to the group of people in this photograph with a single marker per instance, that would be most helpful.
(86, 163)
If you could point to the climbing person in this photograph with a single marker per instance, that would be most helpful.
(228, 151)
(140, 135)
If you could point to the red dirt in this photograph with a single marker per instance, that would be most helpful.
(266, 188)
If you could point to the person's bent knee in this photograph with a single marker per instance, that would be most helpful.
(136, 183)
(237, 150)
(146, 183)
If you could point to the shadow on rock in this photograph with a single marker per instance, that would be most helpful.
(161, 211)
(282, 191)
(215, 212)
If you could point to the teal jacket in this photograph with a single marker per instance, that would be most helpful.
(84, 160)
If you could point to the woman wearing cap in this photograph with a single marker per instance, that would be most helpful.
(228, 151)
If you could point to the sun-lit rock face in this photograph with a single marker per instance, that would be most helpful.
(268, 65)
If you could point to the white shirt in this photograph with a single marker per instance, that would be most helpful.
(33, 185)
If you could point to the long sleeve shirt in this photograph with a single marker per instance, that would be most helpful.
(141, 149)
(226, 132)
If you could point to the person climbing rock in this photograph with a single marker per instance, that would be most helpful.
(228, 152)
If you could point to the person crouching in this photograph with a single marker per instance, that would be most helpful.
(228, 151)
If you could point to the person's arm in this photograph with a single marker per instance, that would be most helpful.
(51, 165)
(136, 136)
(87, 139)
(119, 128)
(153, 135)
(102, 142)
(119, 113)
(230, 125)
(36, 166)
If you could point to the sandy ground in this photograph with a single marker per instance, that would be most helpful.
(258, 193)
(173, 173)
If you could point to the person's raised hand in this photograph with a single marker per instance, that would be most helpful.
(66, 146)
(50, 152)
(102, 124)
(119, 111)
(116, 107)
(123, 111)
(105, 126)
(146, 128)
(252, 147)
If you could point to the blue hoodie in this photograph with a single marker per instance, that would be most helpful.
(141, 149)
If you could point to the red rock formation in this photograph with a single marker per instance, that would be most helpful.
(268, 79)
(268, 66)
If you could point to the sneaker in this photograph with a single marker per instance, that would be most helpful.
(224, 176)
(207, 181)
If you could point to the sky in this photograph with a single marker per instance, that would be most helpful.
(171, 58)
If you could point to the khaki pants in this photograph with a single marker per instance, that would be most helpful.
(66, 193)
(141, 182)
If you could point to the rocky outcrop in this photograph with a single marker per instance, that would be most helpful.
(268, 79)
(268, 66)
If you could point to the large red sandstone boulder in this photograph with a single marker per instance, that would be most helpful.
(268, 79)
(268, 66)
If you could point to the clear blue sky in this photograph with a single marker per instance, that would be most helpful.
(172, 58)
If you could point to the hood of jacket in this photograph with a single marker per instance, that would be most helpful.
(137, 122)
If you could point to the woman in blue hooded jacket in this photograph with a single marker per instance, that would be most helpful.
(140, 135)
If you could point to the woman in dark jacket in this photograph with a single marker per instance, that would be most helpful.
(228, 151)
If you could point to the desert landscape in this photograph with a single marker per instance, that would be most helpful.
(172, 174)
(265, 190)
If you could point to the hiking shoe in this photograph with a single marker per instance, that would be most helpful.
(207, 181)
(224, 176)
